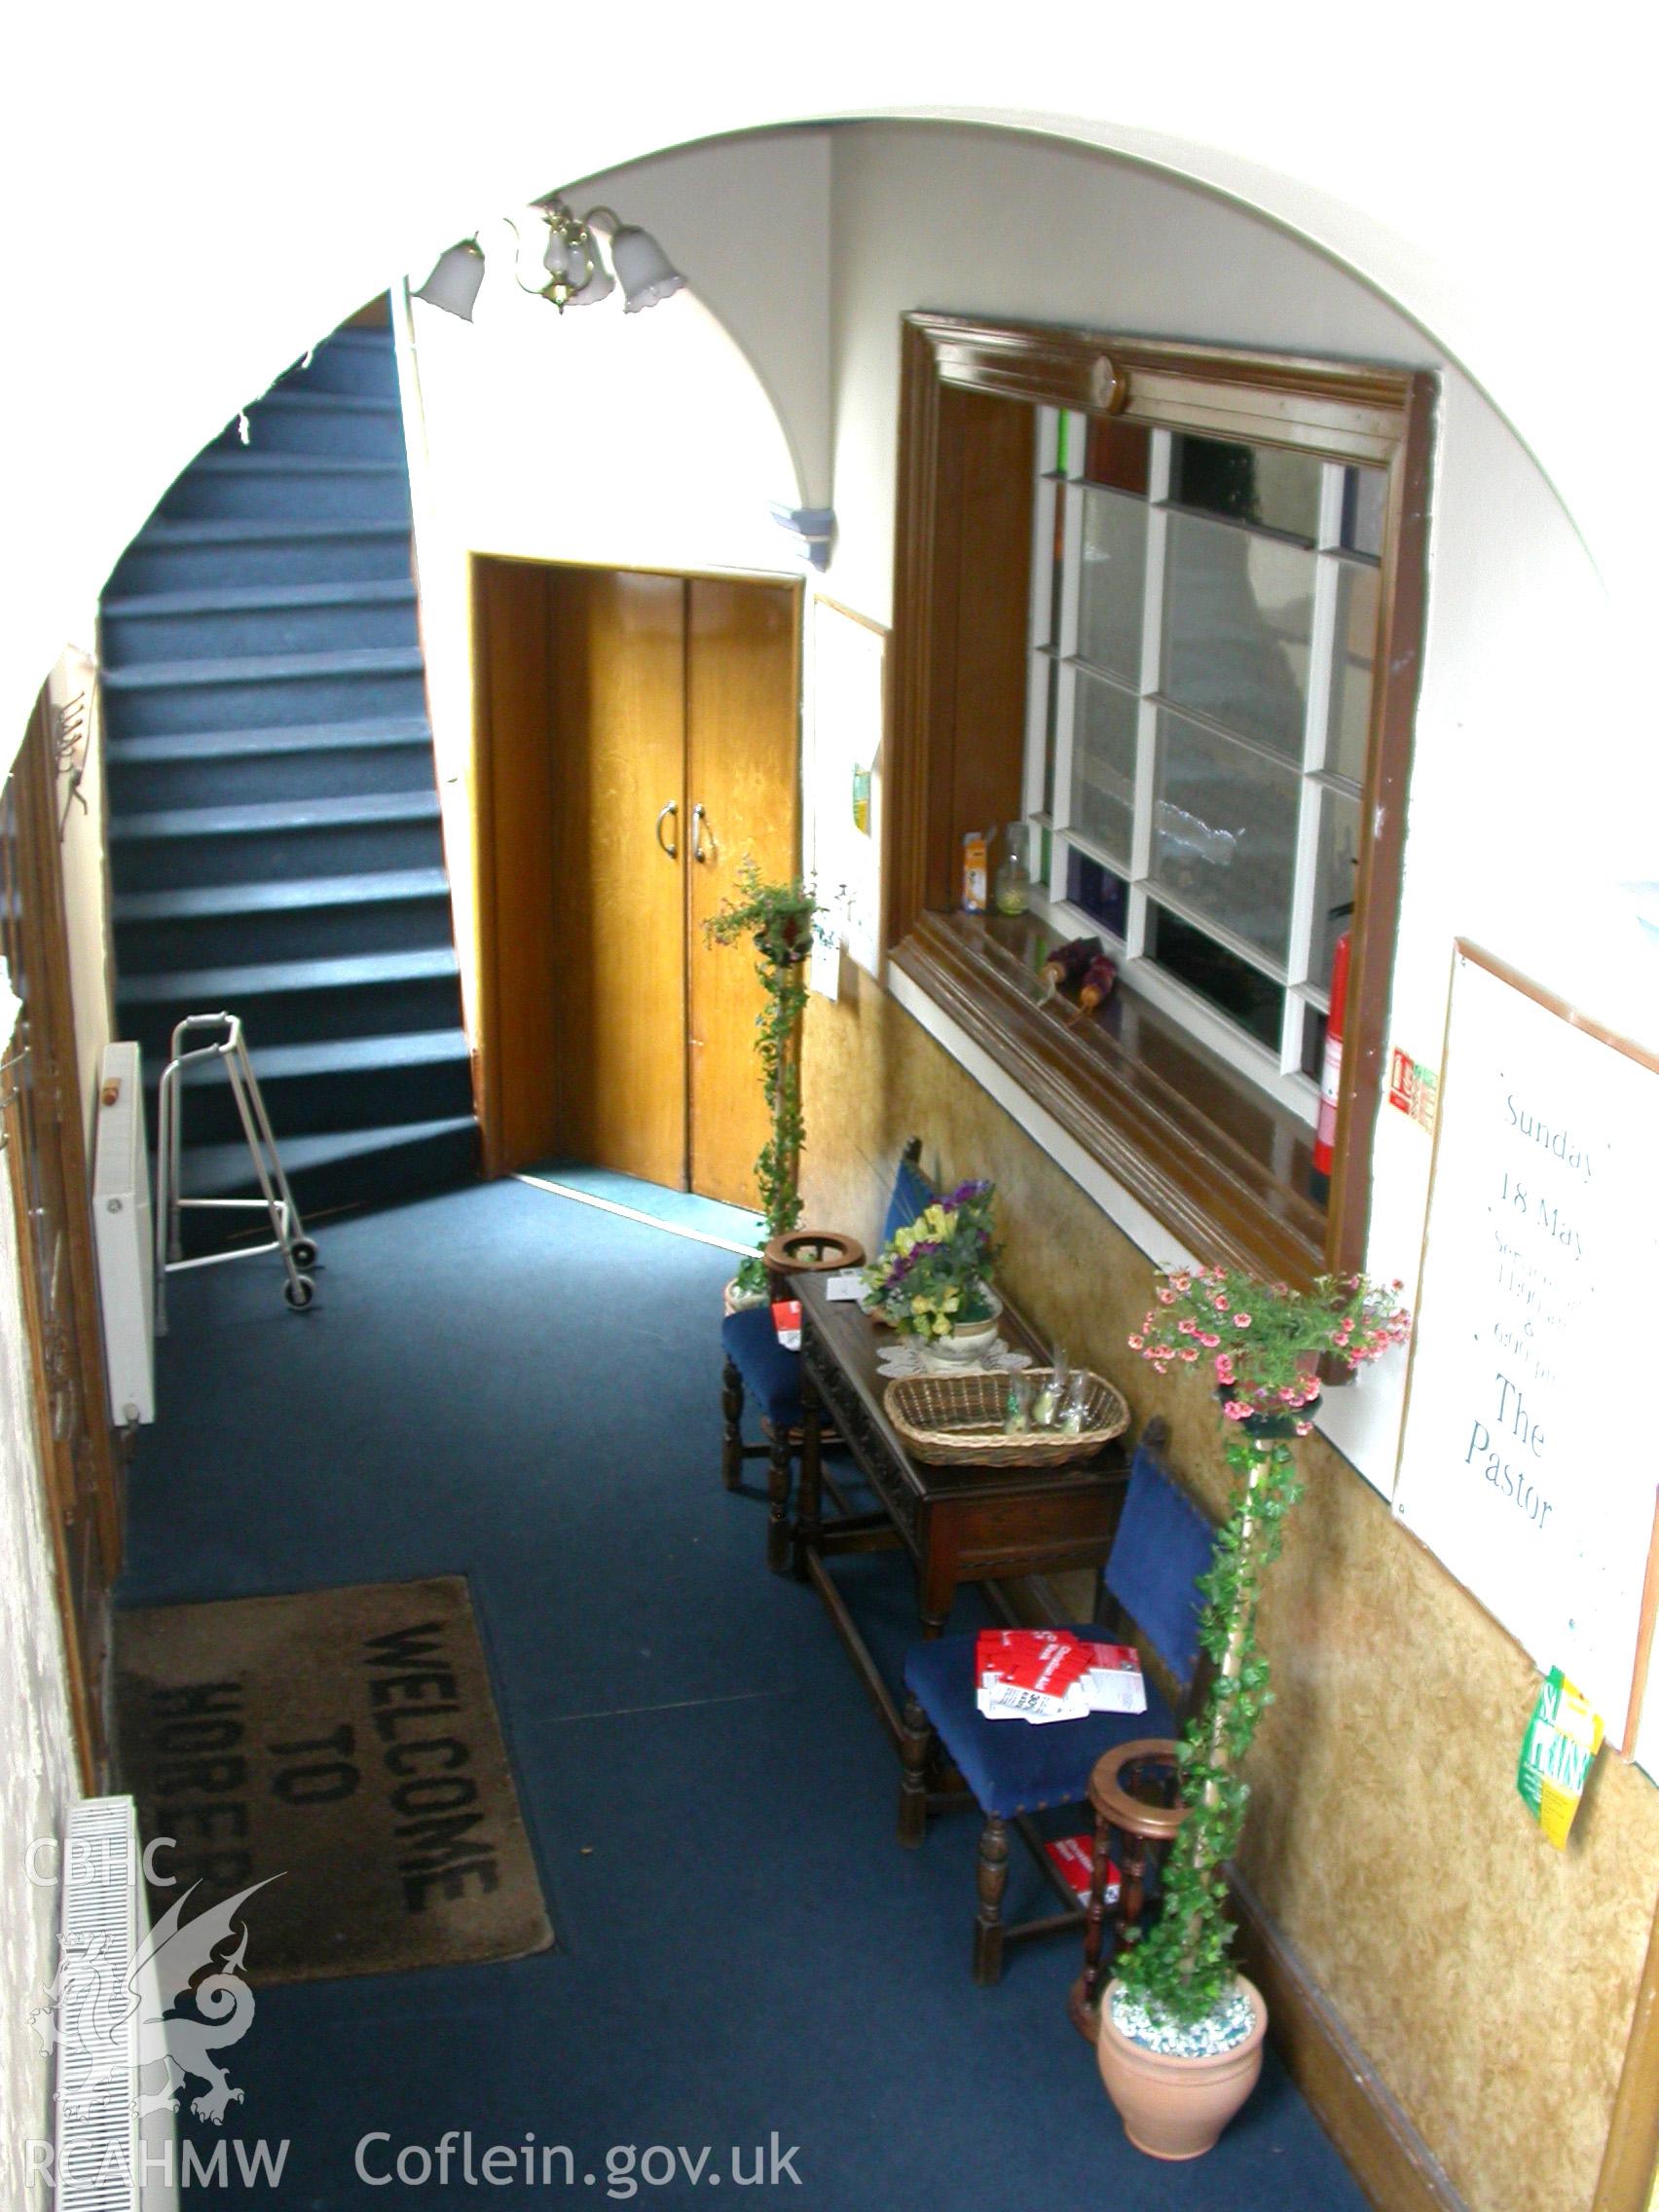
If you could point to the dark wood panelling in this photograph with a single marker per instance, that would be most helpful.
(46, 1156)
(1346, 411)
(1183, 1163)
(996, 444)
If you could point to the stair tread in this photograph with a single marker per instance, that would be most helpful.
(346, 1055)
(341, 402)
(203, 984)
(266, 668)
(352, 337)
(218, 463)
(277, 814)
(216, 1165)
(372, 591)
(168, 532)
(370, 735)
(214, 900)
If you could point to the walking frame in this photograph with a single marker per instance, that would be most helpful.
(275, 1199)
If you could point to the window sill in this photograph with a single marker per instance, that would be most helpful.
(1222, 1167)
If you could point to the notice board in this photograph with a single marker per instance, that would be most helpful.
(1529, 1457)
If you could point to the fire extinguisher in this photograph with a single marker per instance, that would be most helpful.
(1330, 1075)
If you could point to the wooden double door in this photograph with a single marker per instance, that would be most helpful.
(641, 742)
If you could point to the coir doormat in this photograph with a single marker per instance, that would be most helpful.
(345, 1742)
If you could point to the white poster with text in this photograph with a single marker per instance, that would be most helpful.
(1527, 1463)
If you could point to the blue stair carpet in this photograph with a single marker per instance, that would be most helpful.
(524, 1390)
(274, 844)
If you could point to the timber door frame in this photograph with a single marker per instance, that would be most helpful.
(69, 1372)
(514, 790)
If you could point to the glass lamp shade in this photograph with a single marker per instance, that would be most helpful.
(644, 270)
(599, 286)
(454, 283)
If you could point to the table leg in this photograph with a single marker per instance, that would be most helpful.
(809, 1496)
(779, 1471)
(937, 1582)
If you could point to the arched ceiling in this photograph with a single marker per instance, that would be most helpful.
(199, 192)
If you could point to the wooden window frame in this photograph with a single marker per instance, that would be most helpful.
(1173, 1147)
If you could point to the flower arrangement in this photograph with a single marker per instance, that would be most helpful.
(935, 1273)
(1259, 1344)
(1263, 1342)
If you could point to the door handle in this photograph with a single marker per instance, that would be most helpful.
(672, 807)
(699, 816)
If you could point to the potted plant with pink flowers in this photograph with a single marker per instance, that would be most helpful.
(1180, 2028)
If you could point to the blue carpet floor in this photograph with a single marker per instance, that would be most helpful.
(523, 1388)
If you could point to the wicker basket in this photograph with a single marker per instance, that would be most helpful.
(957, 1421)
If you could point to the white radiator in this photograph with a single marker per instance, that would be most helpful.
(109, 2157)
(121, 1221)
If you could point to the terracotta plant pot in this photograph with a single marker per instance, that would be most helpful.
(1173, 2107)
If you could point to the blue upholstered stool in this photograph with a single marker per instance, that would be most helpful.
(1013, 1768)
(757, 1366)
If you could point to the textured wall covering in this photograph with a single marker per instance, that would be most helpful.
(37, 1758)
(1490, 1978)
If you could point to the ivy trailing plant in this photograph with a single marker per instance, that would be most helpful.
(1258, 1344)
(778, 916)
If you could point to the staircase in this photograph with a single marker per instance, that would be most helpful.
(274, 846)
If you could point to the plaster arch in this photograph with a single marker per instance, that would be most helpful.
(264, 186)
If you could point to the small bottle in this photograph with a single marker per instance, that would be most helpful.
(1074, 1414)
(1016, 1414)
(1011, 894)
(1050, 1392)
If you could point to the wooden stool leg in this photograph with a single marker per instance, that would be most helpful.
(914, 1751)
(732, 1407)
(993, 1880)
(1131, 1901)
(1085, 2000)
(778, 1493)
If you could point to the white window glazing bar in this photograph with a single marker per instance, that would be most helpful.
(1151, 675)
(1039, 677)
(1065, 643)
(1306, 925)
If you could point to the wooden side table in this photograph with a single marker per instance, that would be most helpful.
(959, 1524)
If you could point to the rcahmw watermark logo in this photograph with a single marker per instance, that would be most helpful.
(161, 2017)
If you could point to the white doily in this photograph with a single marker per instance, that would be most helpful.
(907, 1358)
